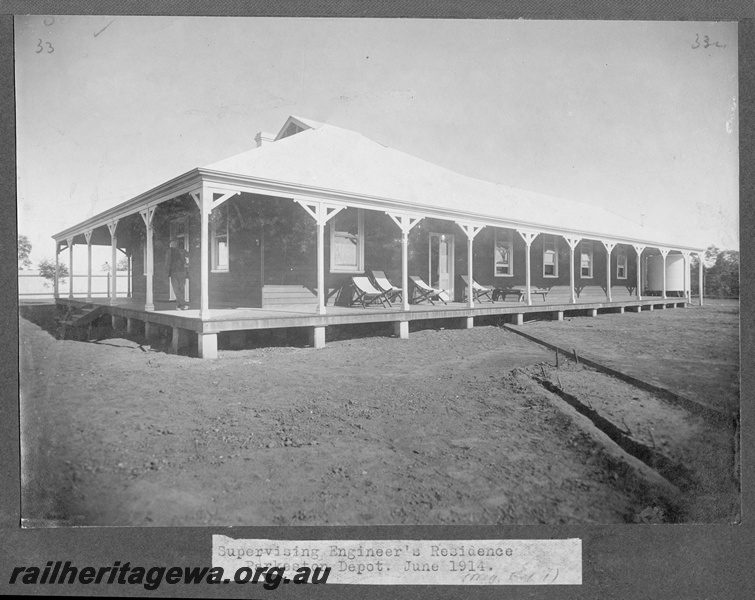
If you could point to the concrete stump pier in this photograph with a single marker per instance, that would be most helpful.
(207, 343)
(401, 329)
(317, 337)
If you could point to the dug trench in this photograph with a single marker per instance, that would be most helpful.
(698, 456)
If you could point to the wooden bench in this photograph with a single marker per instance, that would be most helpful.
(521, 293)
(501, 293)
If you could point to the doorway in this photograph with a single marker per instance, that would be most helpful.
(179, 229)
(441, 263)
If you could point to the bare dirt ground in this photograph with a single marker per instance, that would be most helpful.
(450, 426)
(695, 355)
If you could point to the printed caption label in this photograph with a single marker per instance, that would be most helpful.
(412, 562)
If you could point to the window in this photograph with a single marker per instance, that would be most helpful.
(585, 261)
(219, 241)
(550, 256)
(621, 262)
(347, 241)
(504, 252)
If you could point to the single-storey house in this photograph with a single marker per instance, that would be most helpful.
(282, 229)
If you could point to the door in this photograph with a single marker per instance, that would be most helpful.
(441, 267)
(179, 229)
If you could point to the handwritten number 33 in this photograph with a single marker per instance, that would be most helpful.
(50, 49)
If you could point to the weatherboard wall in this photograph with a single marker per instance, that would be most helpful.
(269, 268)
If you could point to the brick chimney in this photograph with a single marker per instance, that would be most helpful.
(263, 138)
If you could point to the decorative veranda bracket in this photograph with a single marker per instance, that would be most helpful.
(320, 211)
(69, 242)
(572, 241)
(471, 229)
(609, 246)
(211, 202)
(147, 216)
(88, 236)
(527, 235)
(112, 226)
(197, 197)
(638, 249)
(218, 201)
(664, 252)
(404, 221)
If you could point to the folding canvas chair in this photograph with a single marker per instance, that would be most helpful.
(365, 293)
(478, 291)
(423, 292)
(391, 292)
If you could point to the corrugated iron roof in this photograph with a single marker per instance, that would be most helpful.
(330, 157)
(327, 161)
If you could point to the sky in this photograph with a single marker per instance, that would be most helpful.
(640, 118)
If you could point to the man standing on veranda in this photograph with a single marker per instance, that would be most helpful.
(177, 266)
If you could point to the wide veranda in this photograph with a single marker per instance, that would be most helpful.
(239, 323)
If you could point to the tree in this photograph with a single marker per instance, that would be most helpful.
(24, 249)
(122, 264)
(723, 276)
(47, 270)
(711, 254)
(721, 273)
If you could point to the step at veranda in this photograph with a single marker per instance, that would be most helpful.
(82, 316)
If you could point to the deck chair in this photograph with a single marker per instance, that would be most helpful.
(423, 292)
(478, 291)
(381, 282)
(365, 293)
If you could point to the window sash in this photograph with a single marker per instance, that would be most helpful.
(221, 251)
(345, 251)
(347, 248)
(221, 260)
(585, 262)
(550, 256)
(503, 254)
(621, 264)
